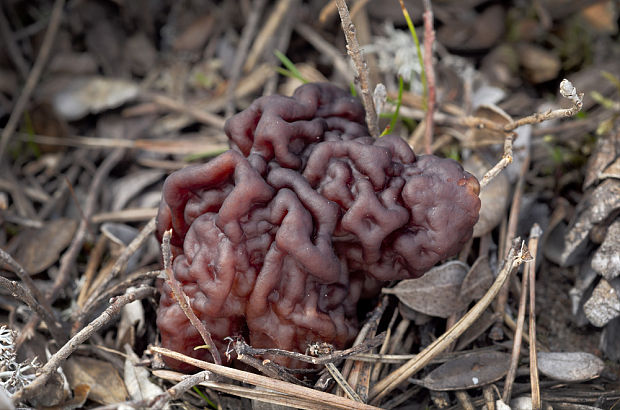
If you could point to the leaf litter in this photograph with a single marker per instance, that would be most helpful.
(130, 90)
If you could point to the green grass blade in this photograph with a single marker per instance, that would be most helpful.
(290, 67)
(392, 124)
(419, 50)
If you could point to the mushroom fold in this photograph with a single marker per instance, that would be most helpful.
(277, 239)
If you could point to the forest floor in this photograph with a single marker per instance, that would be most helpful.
(100, 100)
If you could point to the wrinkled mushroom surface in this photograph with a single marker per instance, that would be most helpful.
(277, 239)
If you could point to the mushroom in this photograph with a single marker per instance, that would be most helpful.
(277, 239)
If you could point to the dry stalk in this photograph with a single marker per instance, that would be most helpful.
(464, 400)
(249, 30)
(242, 348)
(566, 89)
(348, 390)
(249, 393)
(514, 259)
(183, 300)
(23, 293)
(352, 372)
(294, 391)
(518, 337)
(326, 49)
(276, 15)
(429, 39)
(181, 107)
(535, 234)
(353, 49)
(32, 296)
(513, 219)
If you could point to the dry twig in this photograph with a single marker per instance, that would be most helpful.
(353, 49)
(183, 300)
(242, 348)
(566, 89)
(516, 345)
(348, 390)
(52, 364)
(32, 296)
(304, 393)
(535, 234)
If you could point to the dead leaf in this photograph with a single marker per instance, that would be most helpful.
(5, 400)
(540, 64)
(80, 394)
(493, 198)
(137, 379)
(477, 328)
(479, 34)
(106, 386)
(131, 323)
(469, 371)
(602, 16)
(436, 293)
(140, 53)
(93, 95)
(195, 34)
(126, 188)
(477, 281)
(594, 208)
(40, 248)
(571, 366)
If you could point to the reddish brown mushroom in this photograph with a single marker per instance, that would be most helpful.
(277, 239)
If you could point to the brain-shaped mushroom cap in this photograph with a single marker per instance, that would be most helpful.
(277, 239)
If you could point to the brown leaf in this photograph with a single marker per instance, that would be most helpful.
(436, 293)
(195, 34)
(477, 281)
(540, 64)
(106, 386)
(571, 366)
(93, 95)
(472, 370)
(477, 328)
(602, 16)
(493, 198)
(40, 248)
